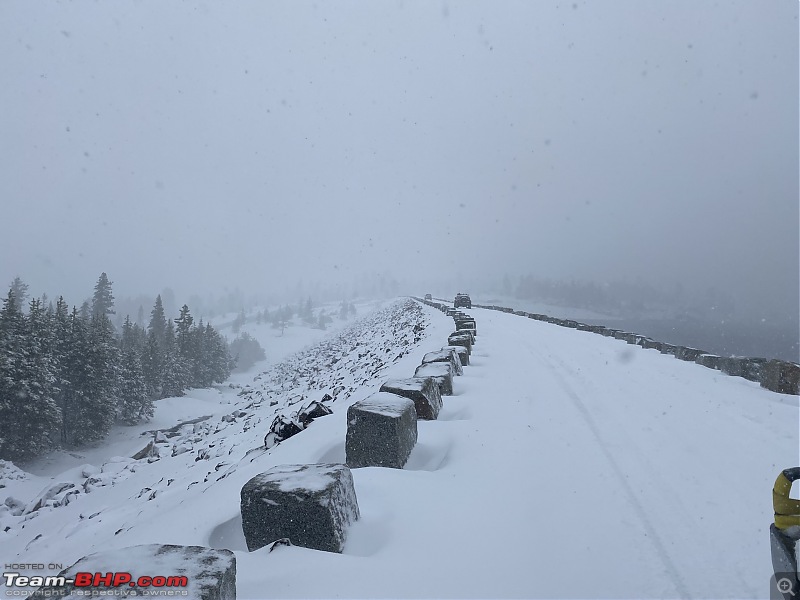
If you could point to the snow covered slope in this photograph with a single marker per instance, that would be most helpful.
(565, 465)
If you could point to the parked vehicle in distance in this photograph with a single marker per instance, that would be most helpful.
(462, 301)
(428, 297)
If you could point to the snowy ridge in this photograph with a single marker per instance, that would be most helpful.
(347, 360)
(98, 508)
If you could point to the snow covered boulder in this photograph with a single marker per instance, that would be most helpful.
(311, 505)
(780, 376)
(442, 372)
(205, 573)
(52, 495)
(381, 431)
(312, 410)
(14, 506)
(150, 450)
(282, 428)
(463, 354)
(448, 356)
(422, 391)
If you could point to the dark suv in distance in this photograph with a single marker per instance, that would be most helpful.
(462, 301)
(428, 297)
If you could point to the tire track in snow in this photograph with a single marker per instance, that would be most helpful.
(658, 545)
(641, 513)
(676, 504)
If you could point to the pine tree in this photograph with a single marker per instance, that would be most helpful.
(140, 316)
(134, 403)
(62, 352)
(183, 331)
(44, 431)
(100, 385)
(86, 311)
(103, 299)
(175, 376)
(73, 372)
(308, 312)
(29, 417)
(216, 353)
(158, 322)
(20, 290)
(201, 366)
(152, 359)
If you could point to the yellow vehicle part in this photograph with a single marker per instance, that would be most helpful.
(787, 510)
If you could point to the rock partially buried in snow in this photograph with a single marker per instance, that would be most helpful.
(710, 361)
(463, 354)
(150, 450)
(381, 431)
(53, 495)
(739, 366)
(688, 354)
(209, 574)
(442, 372)
(780, 376)
(460, 339)
(448, 356)
(423, 391)
(311, 505)
(466, 332)
(668, 349)
(468, 324)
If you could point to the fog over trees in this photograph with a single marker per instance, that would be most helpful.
(67, 377)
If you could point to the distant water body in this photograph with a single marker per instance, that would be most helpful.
(725, 339)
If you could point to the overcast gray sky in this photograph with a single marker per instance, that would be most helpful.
(208, 145)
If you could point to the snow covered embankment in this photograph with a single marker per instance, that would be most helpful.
(175, 494)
